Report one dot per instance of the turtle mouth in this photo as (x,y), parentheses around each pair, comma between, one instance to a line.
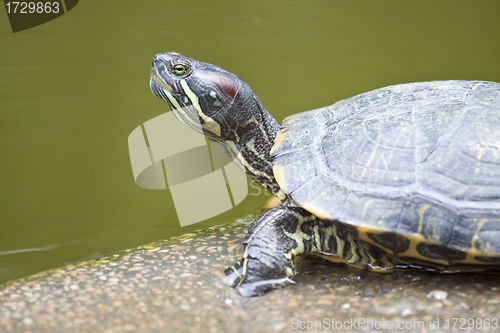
(162,91)
(156,78)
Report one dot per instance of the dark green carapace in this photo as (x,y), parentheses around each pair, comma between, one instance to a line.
(406,176)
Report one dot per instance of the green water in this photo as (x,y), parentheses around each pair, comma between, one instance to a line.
(73,89)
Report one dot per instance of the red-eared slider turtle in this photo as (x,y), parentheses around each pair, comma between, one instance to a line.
(406,176)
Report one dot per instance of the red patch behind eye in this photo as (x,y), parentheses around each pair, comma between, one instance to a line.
(228,86)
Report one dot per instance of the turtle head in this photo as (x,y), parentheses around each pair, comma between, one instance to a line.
(200,94)
(220,105)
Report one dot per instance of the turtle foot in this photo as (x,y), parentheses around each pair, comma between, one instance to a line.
(269,251)
(248,287)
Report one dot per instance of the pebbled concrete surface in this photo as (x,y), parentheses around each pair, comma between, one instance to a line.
(176,285)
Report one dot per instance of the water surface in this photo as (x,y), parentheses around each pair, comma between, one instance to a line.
(73,89)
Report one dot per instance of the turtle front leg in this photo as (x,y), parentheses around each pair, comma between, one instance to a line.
(271,244)
(278,236)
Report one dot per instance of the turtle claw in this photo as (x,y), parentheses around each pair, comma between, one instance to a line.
(237,279)
(259,288)
(234,275)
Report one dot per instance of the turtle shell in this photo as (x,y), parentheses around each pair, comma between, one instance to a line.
(413,169)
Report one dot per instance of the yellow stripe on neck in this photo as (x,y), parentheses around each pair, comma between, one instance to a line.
(209,124)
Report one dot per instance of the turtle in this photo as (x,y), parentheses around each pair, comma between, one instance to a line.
(401,177)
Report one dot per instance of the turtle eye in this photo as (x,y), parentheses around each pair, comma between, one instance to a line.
(179,70)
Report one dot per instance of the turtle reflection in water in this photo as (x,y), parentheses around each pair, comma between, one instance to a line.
(406,176)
